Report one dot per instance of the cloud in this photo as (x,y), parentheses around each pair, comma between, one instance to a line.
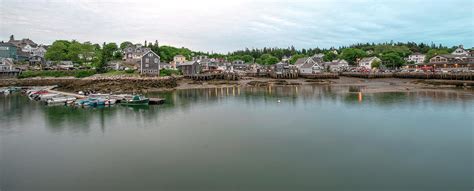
(221,26)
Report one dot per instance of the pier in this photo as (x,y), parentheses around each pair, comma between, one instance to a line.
(214,76)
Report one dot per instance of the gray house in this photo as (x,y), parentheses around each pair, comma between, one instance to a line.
(150,64)
(190,68)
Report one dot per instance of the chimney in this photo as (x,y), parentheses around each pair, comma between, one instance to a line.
(461,46)
(12,38)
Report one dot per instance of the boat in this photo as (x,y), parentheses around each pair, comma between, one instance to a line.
(45,97)
(60,100)
(135,100)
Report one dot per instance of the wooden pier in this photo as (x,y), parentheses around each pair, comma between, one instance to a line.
(214,76)
(367,75)
(320,76)
(439,76)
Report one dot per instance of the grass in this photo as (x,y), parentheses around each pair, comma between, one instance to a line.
(169,72)
(57,73)
(121,73)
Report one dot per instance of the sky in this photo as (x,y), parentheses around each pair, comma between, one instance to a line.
(222,26)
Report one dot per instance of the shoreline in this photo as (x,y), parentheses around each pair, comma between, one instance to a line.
(146,85)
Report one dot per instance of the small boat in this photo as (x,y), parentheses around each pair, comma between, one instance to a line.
(135,100)
(45,97)
(60,100)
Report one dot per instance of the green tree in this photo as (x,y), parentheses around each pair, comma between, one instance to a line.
(329,56)
(247,58)
(58,51)
(392,60)
(376,64)
(109,50)
(352,54)
(125,44)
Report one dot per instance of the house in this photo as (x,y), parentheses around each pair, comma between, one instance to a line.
(22,43)
(336,65)
(450,61)
(416,58)
(134,53)
(310,68)
(39,51)
(283,70)
(311,65)
(178,59)
(368,61)
(300,61)
(65,65)
(150,63)
(8,50)
(37,61)
(238,65)
(190,67)
(460,51)
(6,65)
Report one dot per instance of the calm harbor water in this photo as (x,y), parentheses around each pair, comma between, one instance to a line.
(315,138)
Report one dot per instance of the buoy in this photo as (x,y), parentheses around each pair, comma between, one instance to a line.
(278,101)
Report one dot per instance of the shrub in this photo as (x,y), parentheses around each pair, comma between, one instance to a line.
(57,73)
(169,72)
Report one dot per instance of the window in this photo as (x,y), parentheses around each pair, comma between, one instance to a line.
(156,60)
(146,65)
(150,54)
(147,60)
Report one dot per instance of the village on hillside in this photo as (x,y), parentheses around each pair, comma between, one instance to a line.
(26,58)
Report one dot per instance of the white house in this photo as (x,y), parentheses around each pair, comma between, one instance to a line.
(311,65)
(417,58)
(460,51)
(336,65)
(367,62)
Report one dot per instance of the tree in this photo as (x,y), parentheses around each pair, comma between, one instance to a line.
(392,60)
(329,56)
(352,54)
(58,51)
(108,51)
(376,64)
(125,44)
(247,58)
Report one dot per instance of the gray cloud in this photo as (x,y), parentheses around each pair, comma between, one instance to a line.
(221,26)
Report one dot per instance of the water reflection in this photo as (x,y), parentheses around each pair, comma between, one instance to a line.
(58,118)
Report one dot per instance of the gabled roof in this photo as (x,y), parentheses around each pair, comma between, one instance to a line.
(301,61)
(368,59)
(149,52)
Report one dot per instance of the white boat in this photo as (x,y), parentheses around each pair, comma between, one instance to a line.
(60,100)
(45,97)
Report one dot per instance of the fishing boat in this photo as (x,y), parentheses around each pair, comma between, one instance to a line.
(135,100)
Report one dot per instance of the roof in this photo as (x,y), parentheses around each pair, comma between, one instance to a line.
(149,52)
(416,53)
(308,65)
(187,63)
(368,59)
(301,61)
(6,44)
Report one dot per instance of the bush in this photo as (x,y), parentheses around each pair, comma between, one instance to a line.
(169,72)
(84,73)
(57,73)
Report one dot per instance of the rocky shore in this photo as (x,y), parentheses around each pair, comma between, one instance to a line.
(142,84)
